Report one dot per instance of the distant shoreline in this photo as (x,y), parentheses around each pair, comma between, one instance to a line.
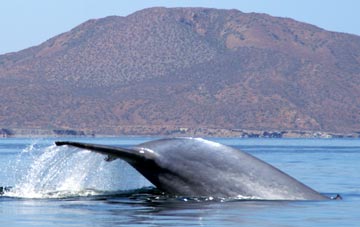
(173,132)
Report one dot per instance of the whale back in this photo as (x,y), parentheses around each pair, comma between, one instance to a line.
(198,167)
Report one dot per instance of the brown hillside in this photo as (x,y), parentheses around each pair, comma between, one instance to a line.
(185,67)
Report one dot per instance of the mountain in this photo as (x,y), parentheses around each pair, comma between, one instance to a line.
(166,68)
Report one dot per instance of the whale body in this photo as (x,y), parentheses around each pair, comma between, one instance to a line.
(198,167)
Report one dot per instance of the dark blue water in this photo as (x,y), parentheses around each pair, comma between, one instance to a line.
(55,186)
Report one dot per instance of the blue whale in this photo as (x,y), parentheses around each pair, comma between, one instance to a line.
(198,167)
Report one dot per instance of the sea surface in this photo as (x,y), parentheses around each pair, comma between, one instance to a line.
(62,186)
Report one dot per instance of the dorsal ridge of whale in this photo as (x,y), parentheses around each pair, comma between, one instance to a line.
(198,167)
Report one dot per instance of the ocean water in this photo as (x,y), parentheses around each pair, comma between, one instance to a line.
(59,186)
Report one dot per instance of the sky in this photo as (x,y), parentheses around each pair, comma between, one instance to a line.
(26,23)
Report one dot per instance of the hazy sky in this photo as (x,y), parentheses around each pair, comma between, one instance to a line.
(25,23)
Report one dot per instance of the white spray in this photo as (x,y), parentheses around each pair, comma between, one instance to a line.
(56,172)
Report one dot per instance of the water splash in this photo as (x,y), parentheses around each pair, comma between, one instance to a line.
(58,172)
